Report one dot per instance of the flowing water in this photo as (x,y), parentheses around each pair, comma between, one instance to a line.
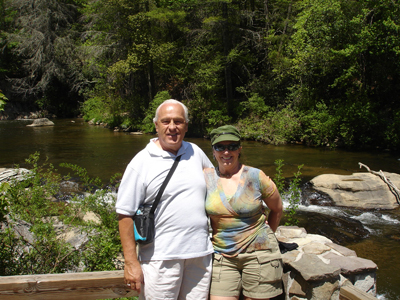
(373,234)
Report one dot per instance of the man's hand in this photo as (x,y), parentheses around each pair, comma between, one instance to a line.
(133,275)
(133,271)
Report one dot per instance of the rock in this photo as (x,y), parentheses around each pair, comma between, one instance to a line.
(326,290)
(316,248)
(75,237)
(318,268)
(350,264)
(41,122)
(91,216)
(360,190)
(7,175)
(69,187)
(339,228)
(342,250)
(311,268)
(298,288)
(290,256)
(365,282)
(22,229)
(292,232)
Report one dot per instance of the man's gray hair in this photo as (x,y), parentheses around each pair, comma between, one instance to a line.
(169,101)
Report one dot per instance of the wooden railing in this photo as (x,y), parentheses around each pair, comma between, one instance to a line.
(68,286)
(352,293)
(93,285)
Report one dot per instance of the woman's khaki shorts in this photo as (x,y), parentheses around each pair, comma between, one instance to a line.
(258,273)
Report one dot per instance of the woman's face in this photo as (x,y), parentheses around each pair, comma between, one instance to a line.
(227,153)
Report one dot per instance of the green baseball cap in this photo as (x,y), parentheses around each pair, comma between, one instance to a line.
(224,133)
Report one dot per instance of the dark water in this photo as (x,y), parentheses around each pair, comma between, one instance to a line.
(104,152)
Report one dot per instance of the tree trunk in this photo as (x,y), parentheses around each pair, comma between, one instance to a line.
(150,66)
(228,68)
(150,80)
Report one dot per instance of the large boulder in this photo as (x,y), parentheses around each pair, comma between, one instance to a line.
(360,190)
(41,122)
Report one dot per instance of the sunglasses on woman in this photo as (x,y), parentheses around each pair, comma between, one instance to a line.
(229,147)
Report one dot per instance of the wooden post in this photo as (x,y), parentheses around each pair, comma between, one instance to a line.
(84,285)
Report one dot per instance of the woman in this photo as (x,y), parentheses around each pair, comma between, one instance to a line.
(247,258)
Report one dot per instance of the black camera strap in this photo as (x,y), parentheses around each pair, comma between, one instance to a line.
(162,188)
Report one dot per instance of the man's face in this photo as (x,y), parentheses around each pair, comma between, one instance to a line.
(171,127)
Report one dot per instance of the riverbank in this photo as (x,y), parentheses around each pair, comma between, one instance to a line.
(283,127)
(23,111)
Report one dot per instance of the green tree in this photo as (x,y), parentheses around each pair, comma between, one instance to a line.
(345,55)
(45,45)
(8,61)
(131,53)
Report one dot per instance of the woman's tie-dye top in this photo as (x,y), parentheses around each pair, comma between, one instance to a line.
(238,220)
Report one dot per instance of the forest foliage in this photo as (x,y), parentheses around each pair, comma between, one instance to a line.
(317,72)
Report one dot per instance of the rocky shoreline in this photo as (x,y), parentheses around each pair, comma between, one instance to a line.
(318,268)
(23,113)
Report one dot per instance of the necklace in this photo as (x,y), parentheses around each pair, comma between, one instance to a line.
(227,175)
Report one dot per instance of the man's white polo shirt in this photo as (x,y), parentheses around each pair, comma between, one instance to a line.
(181,222)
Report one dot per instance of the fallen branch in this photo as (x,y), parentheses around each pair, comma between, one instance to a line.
(395,191)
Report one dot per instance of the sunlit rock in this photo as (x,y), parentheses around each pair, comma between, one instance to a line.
(91,216)
(341,250)
(318,268)
(360,190)
(316,248)
(7,175)
(41,122)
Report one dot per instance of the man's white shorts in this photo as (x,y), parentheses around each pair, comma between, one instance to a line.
(177,279)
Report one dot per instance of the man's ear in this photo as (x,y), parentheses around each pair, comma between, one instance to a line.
(156,125)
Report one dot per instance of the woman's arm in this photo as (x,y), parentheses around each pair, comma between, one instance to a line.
(274,203)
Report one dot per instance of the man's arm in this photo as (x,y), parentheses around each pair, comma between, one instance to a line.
(132,272)
(274,203)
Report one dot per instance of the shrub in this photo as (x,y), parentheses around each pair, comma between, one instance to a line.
(319,127)
(148,124)
(30,242)
(280,126)
(292,193)
(93,108)
(34,223)
(3,100)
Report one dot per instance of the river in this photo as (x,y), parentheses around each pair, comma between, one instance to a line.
(104,152)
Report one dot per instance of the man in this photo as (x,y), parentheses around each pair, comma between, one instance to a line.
(177,265)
